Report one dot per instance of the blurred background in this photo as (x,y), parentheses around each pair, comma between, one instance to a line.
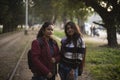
(99,22)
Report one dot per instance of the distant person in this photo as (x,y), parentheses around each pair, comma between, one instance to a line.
(72,53)
(94,29)
(91,29)
(45,57)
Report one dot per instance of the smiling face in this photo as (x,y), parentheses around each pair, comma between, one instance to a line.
(48,31)
(70,30)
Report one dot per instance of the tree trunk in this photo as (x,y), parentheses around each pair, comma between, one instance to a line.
(111,36)
(64,18)
(5,28)
(54,19)
(81,25)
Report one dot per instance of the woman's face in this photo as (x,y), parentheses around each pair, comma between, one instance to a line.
(70,30)
(48,31)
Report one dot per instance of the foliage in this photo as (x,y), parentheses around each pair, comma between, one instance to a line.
(43,8)
(59,34)
(39,11)
(109,10)
(103,63)
(79,9)
(59,9)
(12,14)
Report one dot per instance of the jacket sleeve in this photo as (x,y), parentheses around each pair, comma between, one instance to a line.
(36,51)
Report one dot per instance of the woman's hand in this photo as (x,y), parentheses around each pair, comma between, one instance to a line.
(53,60)
(70,76)
(71,73)
(49,75)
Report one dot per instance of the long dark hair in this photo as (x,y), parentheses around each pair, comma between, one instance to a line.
(76,34)
(42,29)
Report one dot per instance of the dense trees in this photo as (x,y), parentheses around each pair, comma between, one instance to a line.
(61,10)
(12,14)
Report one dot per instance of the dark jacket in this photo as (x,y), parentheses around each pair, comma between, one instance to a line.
(41,57)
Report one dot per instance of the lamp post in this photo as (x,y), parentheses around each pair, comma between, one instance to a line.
(26,18)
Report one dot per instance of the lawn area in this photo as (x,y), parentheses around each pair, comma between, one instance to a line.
(103,63)
(59,33)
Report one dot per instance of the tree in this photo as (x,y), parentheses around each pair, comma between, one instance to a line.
(43,9)
(12,14)
(77,10)
(109,10)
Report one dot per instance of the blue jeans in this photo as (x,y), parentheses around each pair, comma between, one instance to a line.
(64,72)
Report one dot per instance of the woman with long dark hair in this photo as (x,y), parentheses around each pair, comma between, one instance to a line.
(72,53)
(45,54)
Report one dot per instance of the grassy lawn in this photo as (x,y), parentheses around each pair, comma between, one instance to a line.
(102,63)
(59,34)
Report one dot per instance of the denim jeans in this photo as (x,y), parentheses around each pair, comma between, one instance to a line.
(64,72)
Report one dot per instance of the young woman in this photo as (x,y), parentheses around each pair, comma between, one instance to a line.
(72,53)
(45,57)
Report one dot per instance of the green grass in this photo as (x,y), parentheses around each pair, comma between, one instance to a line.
(59,34)
(103,63)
